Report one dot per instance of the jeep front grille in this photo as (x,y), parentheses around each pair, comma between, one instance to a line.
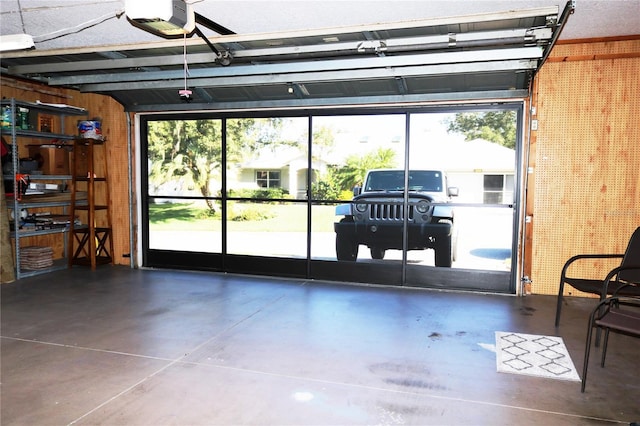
(390,212)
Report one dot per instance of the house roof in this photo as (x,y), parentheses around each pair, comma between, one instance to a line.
(477,155)
(453,155)
(273,158)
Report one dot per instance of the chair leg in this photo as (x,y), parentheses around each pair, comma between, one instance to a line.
(599,331)
(559,302)
(604,346)
(587,349)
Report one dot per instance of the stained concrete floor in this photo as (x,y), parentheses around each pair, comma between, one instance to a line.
(146,347)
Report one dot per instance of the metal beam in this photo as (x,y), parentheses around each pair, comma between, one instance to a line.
(318,76)
(342,102)
(524,53)
(405,44)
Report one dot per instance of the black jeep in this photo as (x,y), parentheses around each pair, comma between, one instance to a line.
(375,217)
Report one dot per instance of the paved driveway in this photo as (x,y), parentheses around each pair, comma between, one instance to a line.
(484,242)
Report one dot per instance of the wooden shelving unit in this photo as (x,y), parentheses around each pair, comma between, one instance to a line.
(92,244)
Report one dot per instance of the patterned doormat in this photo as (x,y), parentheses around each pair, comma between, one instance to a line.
(534,355)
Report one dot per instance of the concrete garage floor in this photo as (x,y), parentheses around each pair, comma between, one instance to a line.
(146,347)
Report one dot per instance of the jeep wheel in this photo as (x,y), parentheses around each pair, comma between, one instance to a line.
(377,253)
(346,249)
(454,244)
(444,255)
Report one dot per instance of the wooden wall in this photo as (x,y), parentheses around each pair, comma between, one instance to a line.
(584,194)
(114,127)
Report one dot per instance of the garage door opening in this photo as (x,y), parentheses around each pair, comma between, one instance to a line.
(264,195)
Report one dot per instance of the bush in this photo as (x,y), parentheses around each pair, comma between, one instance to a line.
(261,193)
(346,195)
(207,214)
(240,213)
(324,190)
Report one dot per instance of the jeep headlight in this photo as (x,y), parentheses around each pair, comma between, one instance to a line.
(422,207)
(361,207)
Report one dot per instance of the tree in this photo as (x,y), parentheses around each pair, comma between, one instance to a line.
(356,166)
(191,151)
(494,126)
(245,136)
(324,186)
(323,141)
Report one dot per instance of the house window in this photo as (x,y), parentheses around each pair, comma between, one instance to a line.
(493,189)
(268,178)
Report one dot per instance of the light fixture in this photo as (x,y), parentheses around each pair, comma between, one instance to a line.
(165,18)
(16,42)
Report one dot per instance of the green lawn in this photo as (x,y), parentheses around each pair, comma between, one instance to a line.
(282,218)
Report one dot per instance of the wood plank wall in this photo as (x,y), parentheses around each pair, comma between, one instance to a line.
(584,194)
(114,127)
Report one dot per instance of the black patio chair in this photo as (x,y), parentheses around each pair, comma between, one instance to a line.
(618,314)
(616,280)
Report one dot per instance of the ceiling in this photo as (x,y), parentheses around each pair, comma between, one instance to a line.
(304,53)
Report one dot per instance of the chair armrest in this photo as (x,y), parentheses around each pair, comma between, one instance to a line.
(614,300)
(615,294)
(614,272)
(586,256)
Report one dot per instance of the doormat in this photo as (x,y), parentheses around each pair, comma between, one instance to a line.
(534,355)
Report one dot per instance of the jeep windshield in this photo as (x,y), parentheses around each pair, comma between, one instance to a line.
(393,180)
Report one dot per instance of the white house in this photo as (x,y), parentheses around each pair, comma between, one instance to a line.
(483,171)
(282,167)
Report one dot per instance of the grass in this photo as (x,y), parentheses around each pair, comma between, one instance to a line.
(281,218)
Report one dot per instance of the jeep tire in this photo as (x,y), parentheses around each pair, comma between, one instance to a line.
(346,248)
(444,253)
(377,253)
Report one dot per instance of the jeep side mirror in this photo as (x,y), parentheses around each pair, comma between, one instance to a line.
(452,191)
(357,190)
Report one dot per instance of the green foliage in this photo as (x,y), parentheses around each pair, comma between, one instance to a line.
(246,136)
(337,182)
(191,150)
(237,212)
(356,166)
(494,126)
(323,141)
(187,149)
(345,194)
(325,190)
(207,213)
(261,193)
(167,212)
(328,189)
